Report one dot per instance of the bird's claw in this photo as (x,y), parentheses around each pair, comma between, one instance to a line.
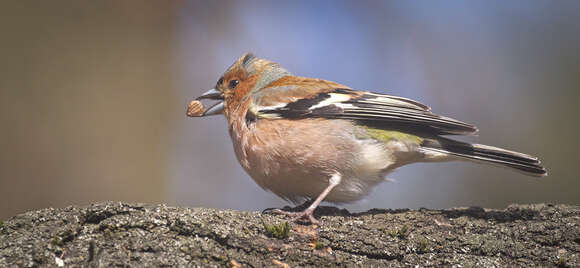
(306,215)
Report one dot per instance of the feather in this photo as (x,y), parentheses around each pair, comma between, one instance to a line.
(486,154)
(378,110)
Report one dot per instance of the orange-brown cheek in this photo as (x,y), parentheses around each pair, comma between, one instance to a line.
(242,90)
(245,87)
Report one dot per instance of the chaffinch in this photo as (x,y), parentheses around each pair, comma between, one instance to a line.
(307,138)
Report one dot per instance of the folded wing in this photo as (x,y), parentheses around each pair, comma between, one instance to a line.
(378,110)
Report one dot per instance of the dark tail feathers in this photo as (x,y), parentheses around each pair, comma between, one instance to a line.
(488,154)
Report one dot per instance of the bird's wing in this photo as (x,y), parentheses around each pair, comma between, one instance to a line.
(377,110)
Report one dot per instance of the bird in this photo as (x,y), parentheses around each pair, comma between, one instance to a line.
(317,140)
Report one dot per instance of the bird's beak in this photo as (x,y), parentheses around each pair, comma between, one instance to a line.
(217,108)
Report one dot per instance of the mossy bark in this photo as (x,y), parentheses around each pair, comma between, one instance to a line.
(120,234)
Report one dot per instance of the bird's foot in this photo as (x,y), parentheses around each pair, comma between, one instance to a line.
(305,215)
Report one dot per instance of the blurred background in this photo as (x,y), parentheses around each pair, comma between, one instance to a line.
(93,94)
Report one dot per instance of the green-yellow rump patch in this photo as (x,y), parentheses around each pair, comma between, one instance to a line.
(387,135)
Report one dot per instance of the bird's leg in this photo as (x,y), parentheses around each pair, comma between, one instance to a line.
(307,214)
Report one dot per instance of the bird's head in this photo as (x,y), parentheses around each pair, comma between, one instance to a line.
(247,76)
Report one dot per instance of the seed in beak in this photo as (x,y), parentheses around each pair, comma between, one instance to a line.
(195,109)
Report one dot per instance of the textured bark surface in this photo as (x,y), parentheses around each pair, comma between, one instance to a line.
(137,235)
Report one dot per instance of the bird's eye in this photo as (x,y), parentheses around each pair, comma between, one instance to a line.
(233,84)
